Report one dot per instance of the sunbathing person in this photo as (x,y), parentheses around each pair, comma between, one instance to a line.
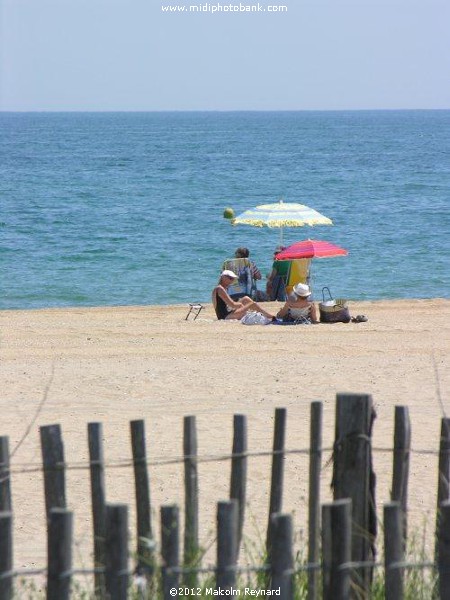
(298,307)
(226,307)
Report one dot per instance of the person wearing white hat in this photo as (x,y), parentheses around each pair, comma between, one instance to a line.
(298,307)
(226,307)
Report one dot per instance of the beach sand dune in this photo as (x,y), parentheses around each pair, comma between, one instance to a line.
(113,365)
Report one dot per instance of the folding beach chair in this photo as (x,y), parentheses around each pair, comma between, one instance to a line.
(245,284)
(194,310)
(289,273)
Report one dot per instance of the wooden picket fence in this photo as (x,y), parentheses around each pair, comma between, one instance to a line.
(341,534)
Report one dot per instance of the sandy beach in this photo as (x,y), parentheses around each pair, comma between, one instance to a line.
(75,366)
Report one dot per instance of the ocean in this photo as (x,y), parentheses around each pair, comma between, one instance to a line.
(126,208)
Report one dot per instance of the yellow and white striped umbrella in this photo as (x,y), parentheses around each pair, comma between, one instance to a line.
(281,214)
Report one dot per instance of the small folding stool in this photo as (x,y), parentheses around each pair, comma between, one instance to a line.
(194,308)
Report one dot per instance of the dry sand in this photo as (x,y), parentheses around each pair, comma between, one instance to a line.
(117,364)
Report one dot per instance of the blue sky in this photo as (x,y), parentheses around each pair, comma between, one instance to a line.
(130,55)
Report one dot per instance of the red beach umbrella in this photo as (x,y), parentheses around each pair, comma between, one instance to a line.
(311,249)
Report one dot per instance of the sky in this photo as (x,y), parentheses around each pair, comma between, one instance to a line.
(130,55)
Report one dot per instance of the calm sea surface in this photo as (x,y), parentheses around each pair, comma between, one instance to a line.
(126,208)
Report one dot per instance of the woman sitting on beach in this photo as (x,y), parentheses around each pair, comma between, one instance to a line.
(226,307)
(298,307)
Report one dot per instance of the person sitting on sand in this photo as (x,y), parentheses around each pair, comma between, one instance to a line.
(297,307)
(226,307)
(258,295)
(245,253)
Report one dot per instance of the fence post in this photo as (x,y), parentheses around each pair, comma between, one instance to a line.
(443,493)
(53,463)
(116,555)
(336,538)
(315,463)
(98,501)
(142,487)
(6,542)
(170,549)
(400,471)
(6,556)
(239,471)
(444,550)
(326,552)
(59,554)
(227,532)
(281,568)
(5,485)
(191,549)
(393,550)
(353,477)
(276,485)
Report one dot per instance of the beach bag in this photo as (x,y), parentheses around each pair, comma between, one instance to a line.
(333,311)
(255,318)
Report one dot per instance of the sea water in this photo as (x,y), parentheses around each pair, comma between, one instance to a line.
(126,208)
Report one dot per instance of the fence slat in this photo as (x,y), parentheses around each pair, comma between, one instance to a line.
(227,534)
(315,465)
(393,550)
(400,471)
(337,535)
(444,550)
(238,481)
(276,484)
(98,500)
(59,554)
(6,556)
(443,492)
(170,549)
(5,481)
(353,476)
(116,555)
(142,487)
(282,557)
(53,463)
(191,547)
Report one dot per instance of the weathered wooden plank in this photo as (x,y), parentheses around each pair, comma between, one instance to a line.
(337,517)
(227,535)
(170,549)
(6,556)
(238,481)
(5,480)
(191,544)
(116,556)
(281,572)
(142,490)
(353,476)
(315,465)
(98,501)
(276,482)
(59,554)
(400,471)
(54,468)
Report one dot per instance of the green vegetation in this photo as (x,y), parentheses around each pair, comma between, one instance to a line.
(419,582)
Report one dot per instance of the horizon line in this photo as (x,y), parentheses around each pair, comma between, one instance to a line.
(212,110)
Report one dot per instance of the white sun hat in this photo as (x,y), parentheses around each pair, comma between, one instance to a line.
(302,290)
